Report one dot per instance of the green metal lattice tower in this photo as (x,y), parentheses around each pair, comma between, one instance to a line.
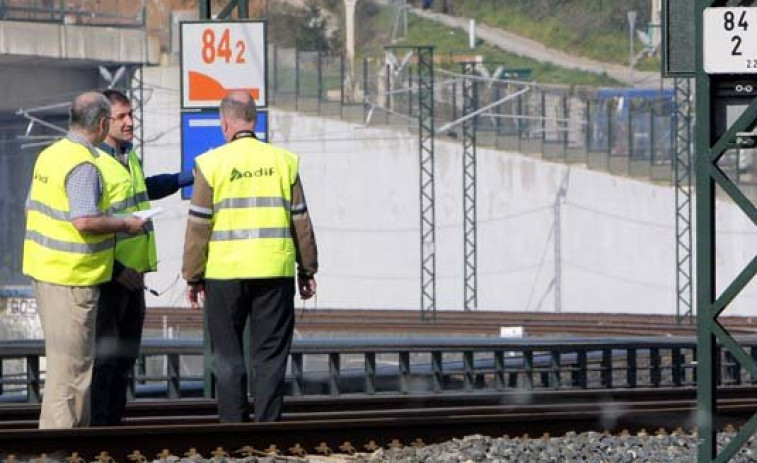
(426,148)
(726,65)
(136,90)
(682,172)
(424,66)
(470,104)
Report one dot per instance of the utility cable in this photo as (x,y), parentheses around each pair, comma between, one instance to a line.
(515,215)
(619,278)
(541,265)
(620,217)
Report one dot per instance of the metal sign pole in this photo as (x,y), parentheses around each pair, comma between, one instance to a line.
(212,48)
(726,44)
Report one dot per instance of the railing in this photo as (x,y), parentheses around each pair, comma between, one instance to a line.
(352,368)
(118,13)
(623,131)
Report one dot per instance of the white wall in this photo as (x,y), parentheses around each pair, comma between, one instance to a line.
(362,185)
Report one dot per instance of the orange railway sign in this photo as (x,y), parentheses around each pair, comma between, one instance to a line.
(217,57)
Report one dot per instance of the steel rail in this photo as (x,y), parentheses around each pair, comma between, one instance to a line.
(479,322)
(382,427)
(24,415)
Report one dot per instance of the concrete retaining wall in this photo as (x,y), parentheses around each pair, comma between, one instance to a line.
(362,184)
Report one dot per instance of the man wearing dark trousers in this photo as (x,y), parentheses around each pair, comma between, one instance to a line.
(248,224)
(121,309)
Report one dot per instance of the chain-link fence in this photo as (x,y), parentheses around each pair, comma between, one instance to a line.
(622,131)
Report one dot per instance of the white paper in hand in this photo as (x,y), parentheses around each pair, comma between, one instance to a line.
(148,214)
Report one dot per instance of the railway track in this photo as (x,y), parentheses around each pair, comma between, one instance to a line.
(152,427)
(478,323)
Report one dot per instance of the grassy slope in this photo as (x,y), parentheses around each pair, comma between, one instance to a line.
(375,30)
(596,29)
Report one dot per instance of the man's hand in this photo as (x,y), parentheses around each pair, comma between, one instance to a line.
(131,279)
(106,224)
(306,285)
(195,294)
(134,225)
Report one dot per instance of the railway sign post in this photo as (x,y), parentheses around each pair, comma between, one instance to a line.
(218,56)
(726,111)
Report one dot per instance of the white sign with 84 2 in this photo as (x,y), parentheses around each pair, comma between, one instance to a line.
(730,40)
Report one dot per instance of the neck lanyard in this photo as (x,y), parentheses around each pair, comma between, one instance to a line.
(243,134)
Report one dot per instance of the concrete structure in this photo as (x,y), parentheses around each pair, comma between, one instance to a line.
(349,26)
(46,64)
(362,186)
(63,59)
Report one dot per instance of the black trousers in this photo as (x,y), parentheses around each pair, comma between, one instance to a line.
(120,315)
(270,306)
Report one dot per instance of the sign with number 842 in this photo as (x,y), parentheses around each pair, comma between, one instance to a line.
(730,40)
(218,57)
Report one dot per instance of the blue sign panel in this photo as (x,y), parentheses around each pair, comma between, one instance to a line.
(201,132)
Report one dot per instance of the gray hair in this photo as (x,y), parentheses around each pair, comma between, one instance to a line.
(87,110)
(239,106)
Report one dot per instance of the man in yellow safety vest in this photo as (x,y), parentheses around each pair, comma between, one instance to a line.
(121,311)
(68,253)
(248,224)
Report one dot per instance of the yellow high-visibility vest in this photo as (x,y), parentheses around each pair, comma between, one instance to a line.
(252,192)
(54,250)
(134,251)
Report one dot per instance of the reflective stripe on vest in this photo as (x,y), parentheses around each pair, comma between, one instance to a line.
(58,245)
(54,250)
(237,203)
(252,188)
(227,235)
(43,208)
(131,203)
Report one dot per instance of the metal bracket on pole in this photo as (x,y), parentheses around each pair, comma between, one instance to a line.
(40,140)
(486,108)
